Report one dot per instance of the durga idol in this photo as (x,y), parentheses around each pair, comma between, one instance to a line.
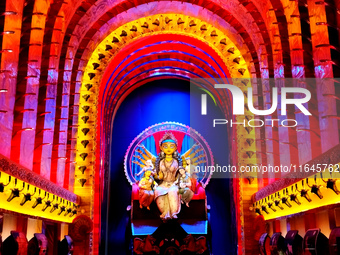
(167,163)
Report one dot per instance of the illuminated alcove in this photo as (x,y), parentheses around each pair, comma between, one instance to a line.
(155,102)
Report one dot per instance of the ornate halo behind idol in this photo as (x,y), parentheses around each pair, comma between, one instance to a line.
(146,146)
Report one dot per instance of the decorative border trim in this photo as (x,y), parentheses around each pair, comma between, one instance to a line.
(26,175)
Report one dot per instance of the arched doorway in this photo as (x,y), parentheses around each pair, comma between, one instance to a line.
(155,102)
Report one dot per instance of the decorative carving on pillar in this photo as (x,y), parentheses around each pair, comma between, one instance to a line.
(81,227)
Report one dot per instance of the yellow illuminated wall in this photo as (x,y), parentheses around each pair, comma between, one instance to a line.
(329,197)
(14,204)
(9,224)
(33,226)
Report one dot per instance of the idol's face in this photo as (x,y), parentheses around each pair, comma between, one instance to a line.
(181,171)
(168,148)
(188,161)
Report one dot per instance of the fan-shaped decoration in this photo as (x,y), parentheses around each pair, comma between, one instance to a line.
(145,25)
(85,131)
(223,41)
(123,33)
(249,129)
(101,56)
(250,141)
(80,227)
(167,20)
(86,97)
(85,143)
(108,47)
(192,23)
(91,75)
(245,82)
(95,66)
(237,60)
(213,33)
(88,86)
(82,181)
(250,153)
(203,27)
(133,28)
(231,50)
(180,21)
(85,108)
(85,118)
(241,70)
(156,22)
(190,144)
(115,40)
(83,156)
(82,169)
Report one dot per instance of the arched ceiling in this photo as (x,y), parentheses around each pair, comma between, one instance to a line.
(170,44)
